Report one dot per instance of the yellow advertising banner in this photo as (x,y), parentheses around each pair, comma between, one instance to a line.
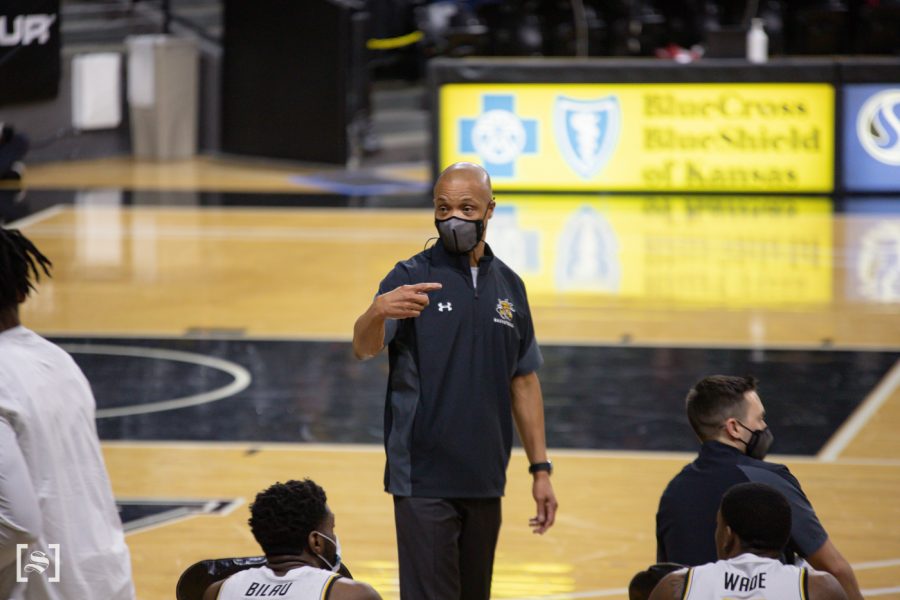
(711,137)
(702,250)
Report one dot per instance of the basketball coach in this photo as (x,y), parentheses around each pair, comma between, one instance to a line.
(463,362)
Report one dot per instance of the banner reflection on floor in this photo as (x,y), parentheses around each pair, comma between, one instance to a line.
(731,251)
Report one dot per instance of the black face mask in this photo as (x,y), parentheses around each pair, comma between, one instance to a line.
(460,236)
(760,442)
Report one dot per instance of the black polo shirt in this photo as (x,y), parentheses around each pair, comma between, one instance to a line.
(448,417)
(686,519)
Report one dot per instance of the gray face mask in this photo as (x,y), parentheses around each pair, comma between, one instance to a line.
(460,236)
(760,442)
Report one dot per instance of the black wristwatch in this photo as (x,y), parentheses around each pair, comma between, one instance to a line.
(541,466)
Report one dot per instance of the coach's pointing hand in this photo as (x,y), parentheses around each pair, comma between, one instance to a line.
(406,301)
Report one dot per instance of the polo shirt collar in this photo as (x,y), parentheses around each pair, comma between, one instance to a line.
(715,449)
(440,256)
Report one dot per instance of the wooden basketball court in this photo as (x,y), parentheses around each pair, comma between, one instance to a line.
(138,270)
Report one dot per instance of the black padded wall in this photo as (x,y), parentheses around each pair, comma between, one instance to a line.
(292,78)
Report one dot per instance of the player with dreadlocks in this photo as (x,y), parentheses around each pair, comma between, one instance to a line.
(292,523)
(19,261)
(55,494)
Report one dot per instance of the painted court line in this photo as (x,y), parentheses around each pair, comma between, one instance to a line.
(264,446)
(236,232)
(234,210)
(861,416)
(232,506)
(624,592)
(41,215)
(714,345)
(876,564)
(157,521)
(573,595)
(244,446)
(176,515)
(299,337)
(241,376)
(880,592)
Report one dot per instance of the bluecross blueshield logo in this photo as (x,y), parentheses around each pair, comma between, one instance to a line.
(588,254)
(587,132)
(498,135)
(878,263)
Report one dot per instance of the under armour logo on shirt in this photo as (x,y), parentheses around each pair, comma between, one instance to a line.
(442,307)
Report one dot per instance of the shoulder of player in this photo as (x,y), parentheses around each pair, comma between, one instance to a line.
(824,586)
(26,346)
(349,589)
(670,587)
(212,592)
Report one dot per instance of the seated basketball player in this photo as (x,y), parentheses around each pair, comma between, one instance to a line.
(643,582)
(295,528)
(753,526)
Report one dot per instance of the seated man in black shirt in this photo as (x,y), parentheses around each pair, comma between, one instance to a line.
(753,525)
(728,417)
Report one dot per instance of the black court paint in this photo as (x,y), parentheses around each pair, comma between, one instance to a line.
(614,398)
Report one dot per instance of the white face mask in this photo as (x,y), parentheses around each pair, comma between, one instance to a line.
(337,552)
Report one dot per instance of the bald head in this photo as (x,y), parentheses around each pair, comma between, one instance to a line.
(467,174)
(464,191)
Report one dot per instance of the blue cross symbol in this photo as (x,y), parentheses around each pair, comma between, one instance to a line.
(498,136)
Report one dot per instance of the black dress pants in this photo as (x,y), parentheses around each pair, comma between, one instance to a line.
(446,547)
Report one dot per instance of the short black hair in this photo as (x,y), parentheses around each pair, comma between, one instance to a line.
(283,516)
(759,514)
(21,264)
(643,583)
(714,399)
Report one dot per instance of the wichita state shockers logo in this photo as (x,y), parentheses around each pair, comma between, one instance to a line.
(505,309)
